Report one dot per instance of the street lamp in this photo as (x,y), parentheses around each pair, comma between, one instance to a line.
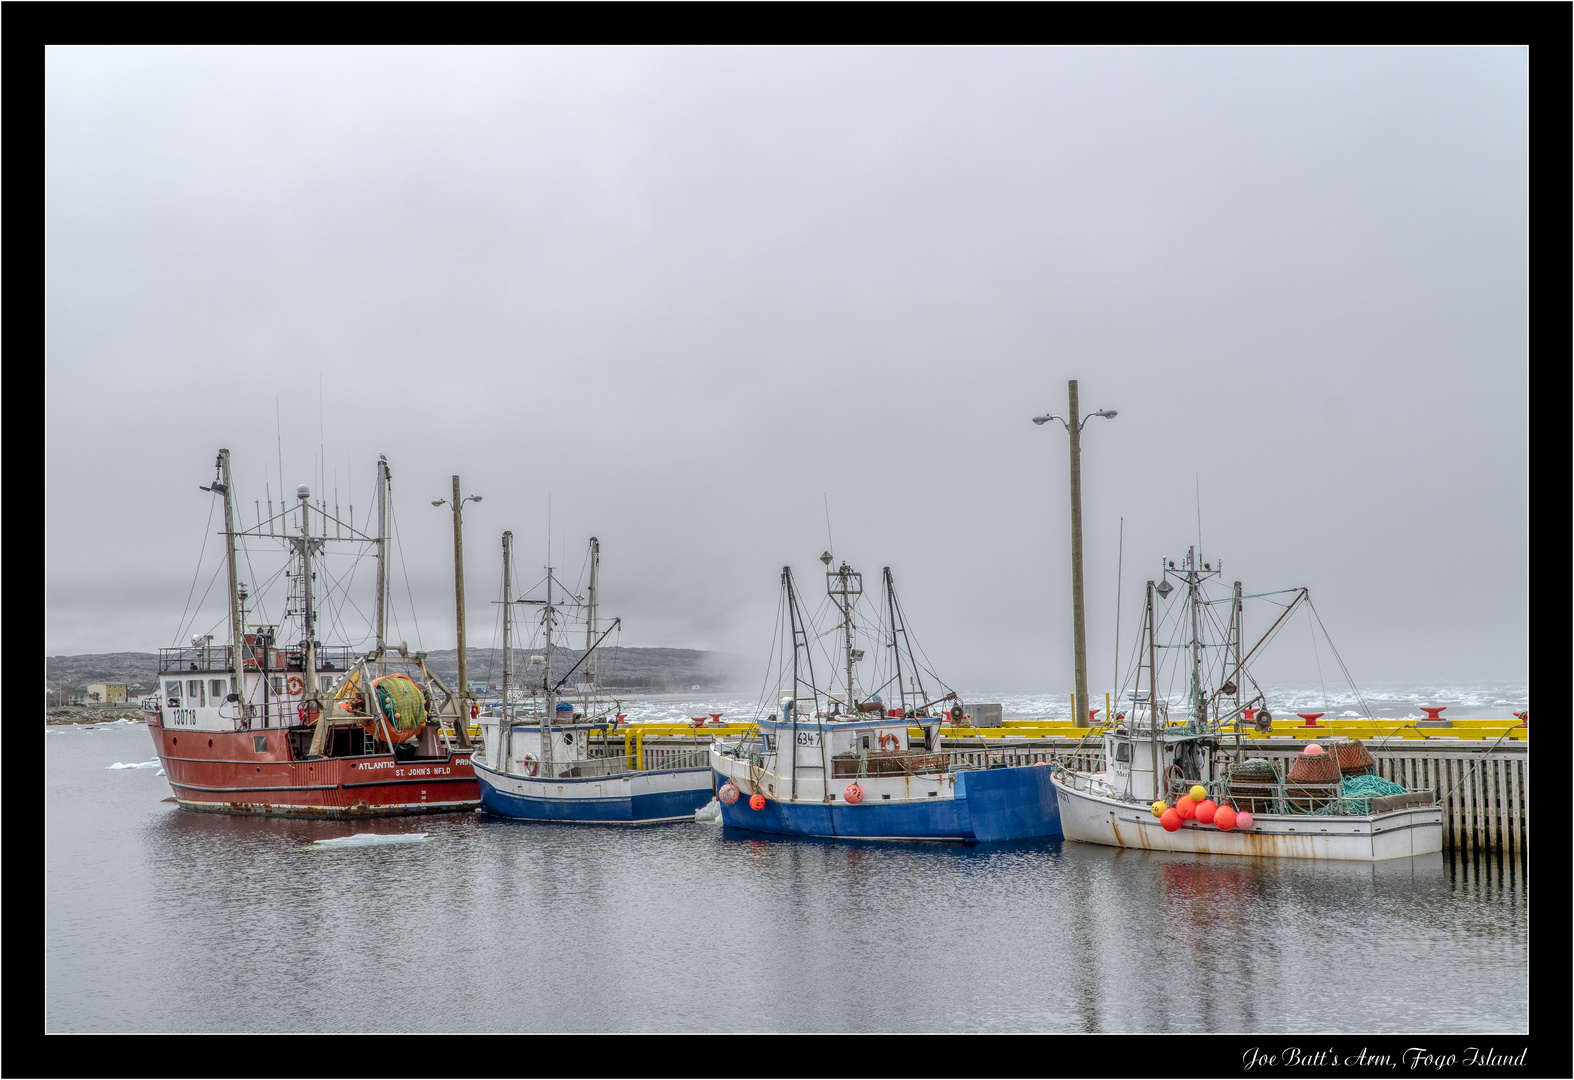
(1074,428)
(462,723)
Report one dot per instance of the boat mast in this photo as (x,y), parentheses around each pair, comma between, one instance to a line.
(896,652)
(548,698)
(305,545)
(506,728)
(1153,697)
(594,674)
(384,481)
(225,487)
(1198,704)
(1235,623)
(848,584)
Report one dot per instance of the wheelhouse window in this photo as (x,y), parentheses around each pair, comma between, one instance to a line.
(278,684)
(196,698)
(259,743)
(172,694)
(216,688)
(1122,752)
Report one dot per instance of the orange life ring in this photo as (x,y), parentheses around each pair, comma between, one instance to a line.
(530,764)
(896,739)
(295,684)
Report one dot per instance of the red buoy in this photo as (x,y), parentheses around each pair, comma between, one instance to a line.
(1170,819)
(1224,818)
(1206,811)
(1186,807)
(756,802)
(853,794)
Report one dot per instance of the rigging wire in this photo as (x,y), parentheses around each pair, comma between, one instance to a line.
(180,629)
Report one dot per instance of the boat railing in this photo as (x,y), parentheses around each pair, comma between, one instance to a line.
(1290,797)
(209,657)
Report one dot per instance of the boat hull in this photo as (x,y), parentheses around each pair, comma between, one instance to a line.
(222,772)
(981,806)
(1094,818)
(644,797)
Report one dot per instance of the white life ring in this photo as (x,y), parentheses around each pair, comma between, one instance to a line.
(295,684)
(530,765)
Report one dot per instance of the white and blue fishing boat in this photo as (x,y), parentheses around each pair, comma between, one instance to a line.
(846,765)
(555,757)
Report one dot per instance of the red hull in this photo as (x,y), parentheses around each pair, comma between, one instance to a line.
(224,772)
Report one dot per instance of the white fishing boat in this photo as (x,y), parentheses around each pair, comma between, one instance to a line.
(1186,784)
(844,764)
(554,756)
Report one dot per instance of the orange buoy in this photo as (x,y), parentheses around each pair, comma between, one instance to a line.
(1224,818)
(756,802)
(1207,810)
(1170,819)
(853,794)
(1312,748)
(1186,807)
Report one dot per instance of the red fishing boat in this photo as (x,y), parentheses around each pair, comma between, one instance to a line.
(257,726)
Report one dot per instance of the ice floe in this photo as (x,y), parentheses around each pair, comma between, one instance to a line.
(369,839)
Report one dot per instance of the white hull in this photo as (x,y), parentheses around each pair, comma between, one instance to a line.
(1095,818)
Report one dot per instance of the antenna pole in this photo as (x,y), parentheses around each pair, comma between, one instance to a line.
(459,592)
(506,728)
(1077,615)
(384,479)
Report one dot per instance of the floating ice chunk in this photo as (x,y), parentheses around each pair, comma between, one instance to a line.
(135,765)
(711,811)
(367,839)
(161,772)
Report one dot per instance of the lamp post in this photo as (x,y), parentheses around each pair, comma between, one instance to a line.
(463,722)
(1074,428)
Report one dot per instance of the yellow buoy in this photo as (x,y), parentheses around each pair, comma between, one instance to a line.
(1159,808)
(1198,793)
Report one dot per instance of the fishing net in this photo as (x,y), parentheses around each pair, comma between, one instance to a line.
(404,706)
(1360,790)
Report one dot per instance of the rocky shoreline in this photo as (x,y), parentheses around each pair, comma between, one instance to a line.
(91,714)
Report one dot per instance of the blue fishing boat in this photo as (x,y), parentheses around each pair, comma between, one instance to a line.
(551,758)
(845,764)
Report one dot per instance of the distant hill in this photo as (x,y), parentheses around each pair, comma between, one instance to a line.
(621,668)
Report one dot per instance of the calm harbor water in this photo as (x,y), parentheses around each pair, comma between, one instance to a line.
(159,920)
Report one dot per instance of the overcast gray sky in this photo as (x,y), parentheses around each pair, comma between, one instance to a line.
(694,296)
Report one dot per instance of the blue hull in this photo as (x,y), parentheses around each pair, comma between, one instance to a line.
(654,806)
(991,805)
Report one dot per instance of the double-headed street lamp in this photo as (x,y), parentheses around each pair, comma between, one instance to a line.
(462,725)
(1074,428)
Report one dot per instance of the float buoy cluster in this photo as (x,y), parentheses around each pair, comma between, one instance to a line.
(1196,806)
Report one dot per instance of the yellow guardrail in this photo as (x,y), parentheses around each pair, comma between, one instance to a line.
(1360,728)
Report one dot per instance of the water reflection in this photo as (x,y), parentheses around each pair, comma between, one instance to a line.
(162,920)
